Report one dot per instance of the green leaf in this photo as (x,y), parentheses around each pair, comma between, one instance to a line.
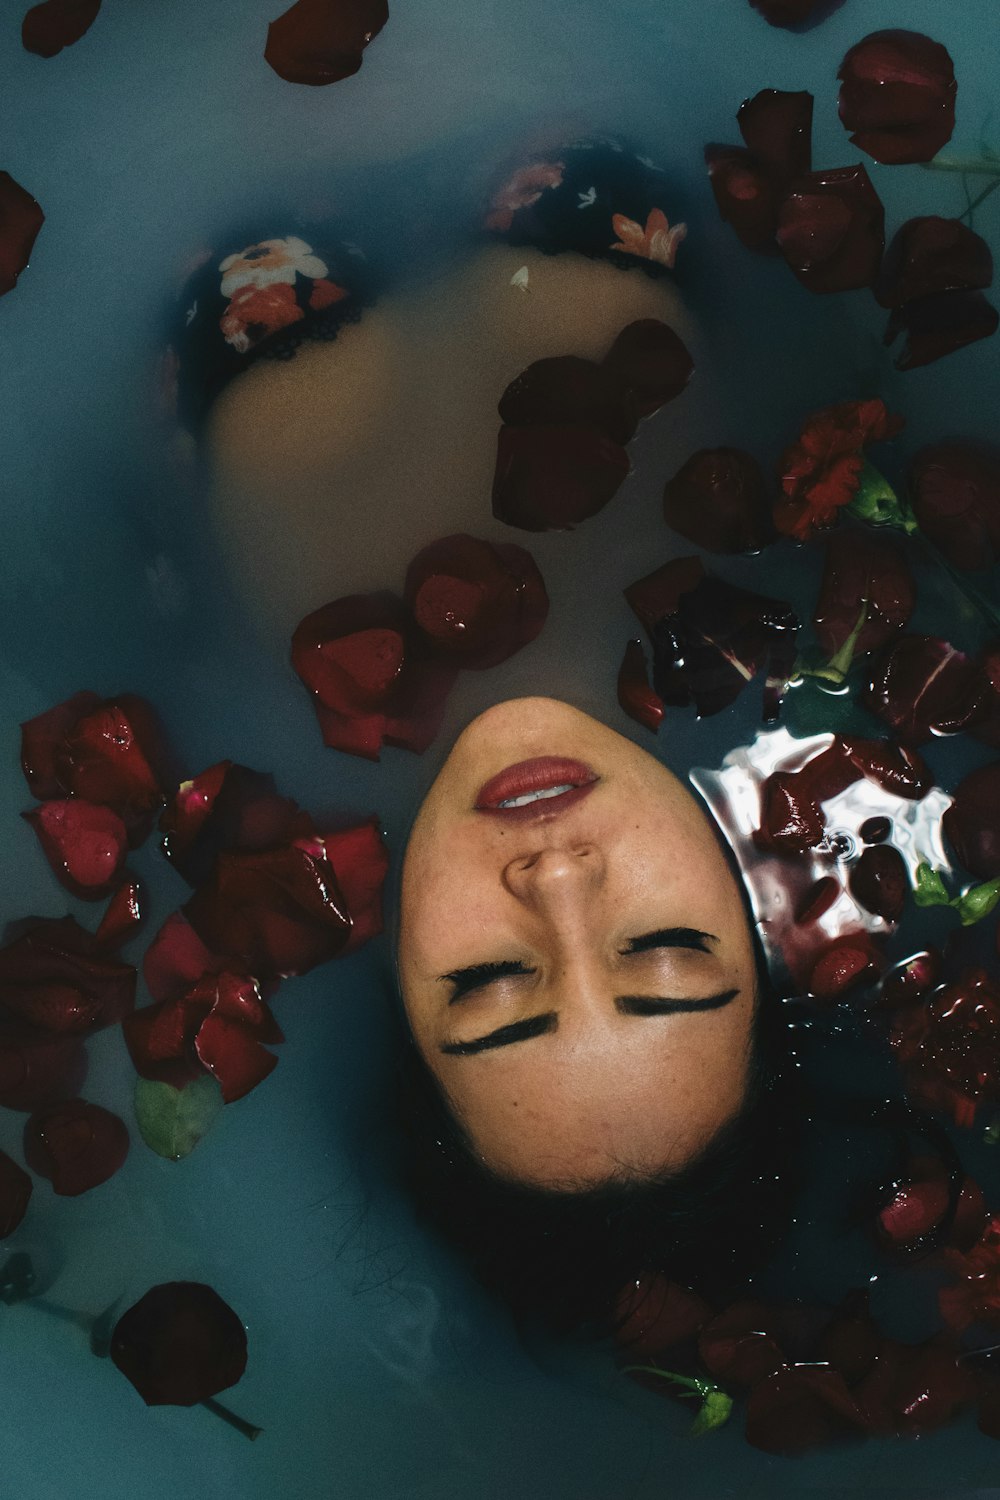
(172,1121)
(877,502)
(928,888)
(978,902)
(714,1413)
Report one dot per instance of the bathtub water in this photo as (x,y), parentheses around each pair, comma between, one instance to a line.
(376,1367)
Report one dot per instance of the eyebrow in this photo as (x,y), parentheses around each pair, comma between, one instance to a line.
(548,1021)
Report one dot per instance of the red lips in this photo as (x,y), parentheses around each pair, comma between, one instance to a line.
(537,775)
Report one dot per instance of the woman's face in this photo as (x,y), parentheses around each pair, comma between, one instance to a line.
(577,969)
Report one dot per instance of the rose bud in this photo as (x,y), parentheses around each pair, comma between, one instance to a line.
(15,1191)
(955,489)
(38,1068)
(55,24)
(314,42)
(180,1344)
(20,220)
(719,501)
(657,595)
(550,478)
(85,844)
(935,326)
(831,229)
(76,1145)
(897,96)
(566,391)
(635,695)
(861,570)
(57,976)
(878,881)
(972,822)
(651,364)
(746,196)
(928,255)
(475,603)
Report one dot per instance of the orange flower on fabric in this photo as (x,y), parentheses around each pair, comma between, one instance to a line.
(976,1297)
(325,294)
(658,241)
(821,473)
(521,190)
(255,312)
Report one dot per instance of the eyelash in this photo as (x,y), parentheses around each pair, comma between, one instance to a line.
(478,976)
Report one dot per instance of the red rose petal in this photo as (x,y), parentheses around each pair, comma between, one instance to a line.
(800,1407)
(949,1046)
(817,900)
(635,695)
(879,881)
(831,229)
(229,806)
(37,1068)
(746,196)
(476,604)
(972,822)
(955,489)
(896,768)
(718,499)
(85,844)
(15,1191)
(897,96)
(361,861)
(566,391)
(777,129)
(657,595)
(862,570)
(122,917)
(821,472)
(916,977)
(40,738)
(176,959)
(180,1344)
(75,1145)
(936,326)
(921,686)
(20,220)
(652,1314)
(851,1341)
(651,364)
(795,14)
(740,1344)
(928,255)
(551,478)
(321,41)
(160,1042)
(848,962)
(791,820)
(114,755)
(345,675)
(55,24)
(57,977)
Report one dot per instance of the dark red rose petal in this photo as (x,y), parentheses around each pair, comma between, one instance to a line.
(160,1041)
(653,1314)
(936,326)
(40,738)
(321,41)
(746,196)
(278,912)
(878,880)
(777,129)
(801,1407)
(651,364)
(791,821)
(123,916)
(795,14)
(350,653)
(955,489)
(657,596)
(921,686)
(972,822)
(15,1191)
(918,1207)
(57,977)
(848,962)
(740,1345)
(566,391)
(911,980)
(85,844)
(176,959)
(475,603)
(817,900)
(851,1340)
(20,220)
(551,478)
(361,861)
(897,96)
(915,1388)
(875,830)
(635,695)
(896,768)
(180,1344)
(949,1046)
(414,715)
(114,755)
(229,806)
(862,570)
(719,501)
(75,1145)
(55,24)
(37,1069)
(831,229)
(928,255)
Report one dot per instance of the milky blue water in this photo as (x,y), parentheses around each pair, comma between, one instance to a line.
(376,1367)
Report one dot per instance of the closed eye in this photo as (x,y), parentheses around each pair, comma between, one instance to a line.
(672,937)
(478,976)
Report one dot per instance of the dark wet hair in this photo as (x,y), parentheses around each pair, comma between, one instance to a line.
(563,1257)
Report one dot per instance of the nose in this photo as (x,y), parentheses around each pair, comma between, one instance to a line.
(554,877)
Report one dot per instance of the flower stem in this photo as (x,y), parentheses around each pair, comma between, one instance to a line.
(247,1428)
(974,166)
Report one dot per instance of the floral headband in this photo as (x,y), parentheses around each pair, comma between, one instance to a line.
(261,300)
(594,197)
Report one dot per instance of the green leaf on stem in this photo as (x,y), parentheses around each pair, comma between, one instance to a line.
(715,1404)
(172,1121)
(928,887)
(877,503)
(977,902)
(714,1413)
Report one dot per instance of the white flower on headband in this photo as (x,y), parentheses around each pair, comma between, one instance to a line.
(268,263)
(657,241)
